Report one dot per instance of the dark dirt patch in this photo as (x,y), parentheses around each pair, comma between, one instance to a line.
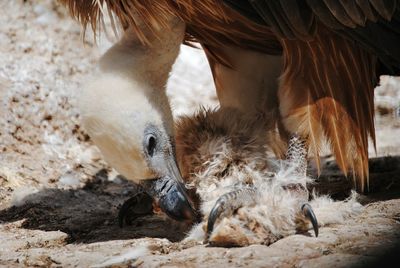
(89,214)
(384,180)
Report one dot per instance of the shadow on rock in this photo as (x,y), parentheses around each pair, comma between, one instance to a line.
(384,180)
(89,214)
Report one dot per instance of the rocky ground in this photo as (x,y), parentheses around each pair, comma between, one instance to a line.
(59,200)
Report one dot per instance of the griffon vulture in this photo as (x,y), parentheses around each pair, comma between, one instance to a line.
(311,64)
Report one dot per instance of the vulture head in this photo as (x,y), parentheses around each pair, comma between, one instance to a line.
(125,110)
(134,132)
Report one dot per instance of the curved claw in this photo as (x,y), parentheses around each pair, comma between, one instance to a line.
(140,203)
(216,211)
(230,202)
(309,214)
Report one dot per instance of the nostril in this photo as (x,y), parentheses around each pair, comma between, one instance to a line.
(172,198)
(175,204)
(170,187)
(163,186)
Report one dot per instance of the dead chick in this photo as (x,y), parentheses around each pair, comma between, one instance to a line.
(245,194)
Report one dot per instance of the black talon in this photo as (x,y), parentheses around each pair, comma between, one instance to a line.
(309,214)
(140,204)
(229,202)
(215,213)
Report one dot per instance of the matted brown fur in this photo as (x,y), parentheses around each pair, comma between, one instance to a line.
(244,133)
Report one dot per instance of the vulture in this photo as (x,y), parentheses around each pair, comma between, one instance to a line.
(310,65)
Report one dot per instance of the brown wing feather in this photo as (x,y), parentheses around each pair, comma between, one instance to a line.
(385,8)
(338,10)
(354,12)
(331,95)
(368,10)
(282,15)
(301,19)
(209,22)
(137,14)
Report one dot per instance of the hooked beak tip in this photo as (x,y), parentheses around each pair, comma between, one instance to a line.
(172,198)
(176,204)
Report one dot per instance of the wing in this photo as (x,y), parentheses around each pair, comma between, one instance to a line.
(373,24)
(329,49)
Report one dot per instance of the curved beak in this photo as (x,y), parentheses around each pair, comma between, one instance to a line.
(170,192)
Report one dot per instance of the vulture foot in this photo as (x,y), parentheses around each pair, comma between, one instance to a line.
(229,202)
(272,209)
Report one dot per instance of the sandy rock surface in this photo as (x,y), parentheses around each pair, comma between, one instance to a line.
(59,200)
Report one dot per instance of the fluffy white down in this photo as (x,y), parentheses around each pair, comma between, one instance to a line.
(276,213)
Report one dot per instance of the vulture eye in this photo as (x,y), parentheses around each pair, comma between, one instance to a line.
(151,144)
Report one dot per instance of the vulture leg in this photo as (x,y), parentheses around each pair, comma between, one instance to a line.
(141,204)
(326,91)
(296,155)
(296,158)
(245,79)
(295,162)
